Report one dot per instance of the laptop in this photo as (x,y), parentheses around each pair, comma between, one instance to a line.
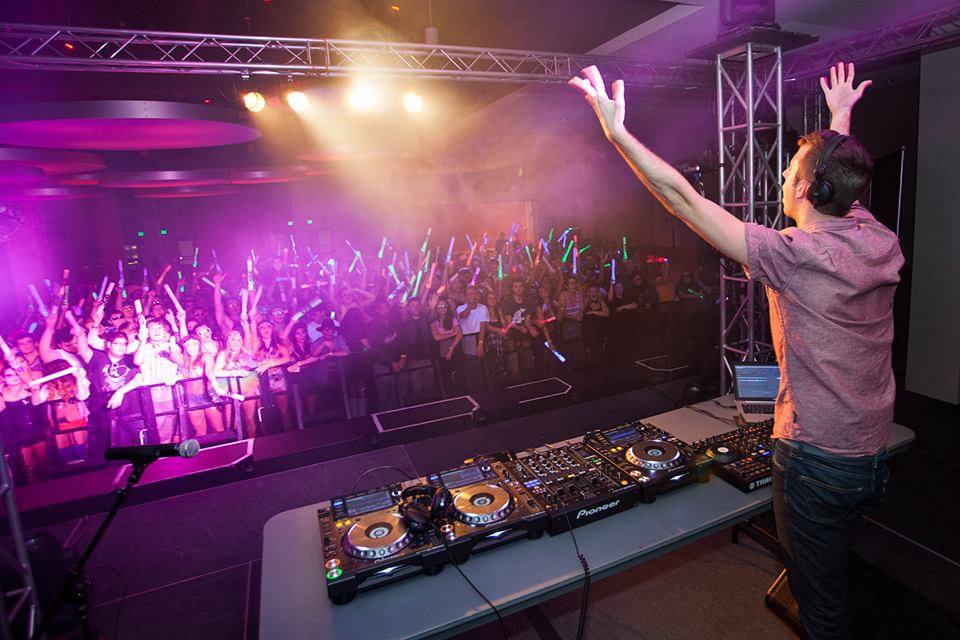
(755,388)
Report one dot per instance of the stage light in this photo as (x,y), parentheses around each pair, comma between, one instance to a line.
(298,101)
(289,223)
(140,234)
(363,98)
(395,8)
(412,102)
(309,220)
(163,232)
(254,101)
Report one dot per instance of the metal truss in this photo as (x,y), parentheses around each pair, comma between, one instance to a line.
(749,85)
(18,599)
(86,49)
(804,66)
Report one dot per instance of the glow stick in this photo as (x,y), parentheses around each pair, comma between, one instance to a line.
(472,251)
(138,306)
(316,302)
(196,257)
(53,376)
(500,266)
(406,259)
(293,244)
(557,354)
(173,297)
(469,241)
(550,237)
(449,250)
(7,353)
(416,287)
(216,261)
(120,281)
(393,272)
(163,275)
(250,273)
(567,253)
(423,249)
(625,247)
(106,295)
(576,256)
(36,296)
(244,298)
(353,264)
(613,270)
(103,285)
(49,285)
(210,282)
(383,245)
(539,251)
(426,260)
(433,269)
(529,256)
(476,274)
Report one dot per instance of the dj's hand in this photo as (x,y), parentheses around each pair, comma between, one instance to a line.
(841,96)
(609,111)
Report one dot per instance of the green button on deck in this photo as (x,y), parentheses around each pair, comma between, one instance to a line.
(333,574)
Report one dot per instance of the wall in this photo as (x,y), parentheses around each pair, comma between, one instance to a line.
(933,359)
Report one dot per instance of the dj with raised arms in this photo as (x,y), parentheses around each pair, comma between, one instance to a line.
(830,281)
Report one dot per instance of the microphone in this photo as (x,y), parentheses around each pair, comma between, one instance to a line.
(151,452)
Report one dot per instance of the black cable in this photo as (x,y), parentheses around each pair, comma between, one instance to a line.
(443,538)
(712,415)
(584,598)
(383,468)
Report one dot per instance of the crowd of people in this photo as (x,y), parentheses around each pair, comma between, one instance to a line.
(193,352)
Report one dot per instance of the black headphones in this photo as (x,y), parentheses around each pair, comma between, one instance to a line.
(820,191)
(423,505)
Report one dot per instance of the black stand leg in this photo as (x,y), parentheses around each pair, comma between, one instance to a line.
(76,590)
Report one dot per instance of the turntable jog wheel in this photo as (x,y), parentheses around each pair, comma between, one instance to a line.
(383,535)
(482,504)
(653,455)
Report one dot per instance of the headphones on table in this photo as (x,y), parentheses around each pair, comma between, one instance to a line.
(422,506)
(821,192)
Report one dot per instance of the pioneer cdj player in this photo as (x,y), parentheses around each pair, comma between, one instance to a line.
(742,457)
(489,507)
(367,543)
(654,459)
(574,484)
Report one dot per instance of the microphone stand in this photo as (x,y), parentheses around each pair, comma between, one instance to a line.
(77,590)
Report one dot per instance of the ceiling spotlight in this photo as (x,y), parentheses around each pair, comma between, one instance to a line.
(363,98)
(412,102)
(298,101)
(254,101)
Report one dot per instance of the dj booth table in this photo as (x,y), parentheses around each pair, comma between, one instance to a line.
(294,603)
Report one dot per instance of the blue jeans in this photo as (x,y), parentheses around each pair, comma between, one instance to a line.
(817,496)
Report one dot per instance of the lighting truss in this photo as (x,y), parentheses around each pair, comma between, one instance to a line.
(88,49)
(749,85)
(804,66)
(18,598)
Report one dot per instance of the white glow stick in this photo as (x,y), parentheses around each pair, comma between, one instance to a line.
(36,296)
(173,297)
(138,306)
(103,285)
(53,376)
(316,302)
(106,294)
(7,353)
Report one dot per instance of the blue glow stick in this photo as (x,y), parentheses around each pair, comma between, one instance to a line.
(383,245)
(557,354)
(449,250)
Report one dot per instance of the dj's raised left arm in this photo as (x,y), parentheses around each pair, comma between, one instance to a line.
(711,222)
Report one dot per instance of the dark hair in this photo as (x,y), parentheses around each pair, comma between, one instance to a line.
(447,322)
(848,169)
